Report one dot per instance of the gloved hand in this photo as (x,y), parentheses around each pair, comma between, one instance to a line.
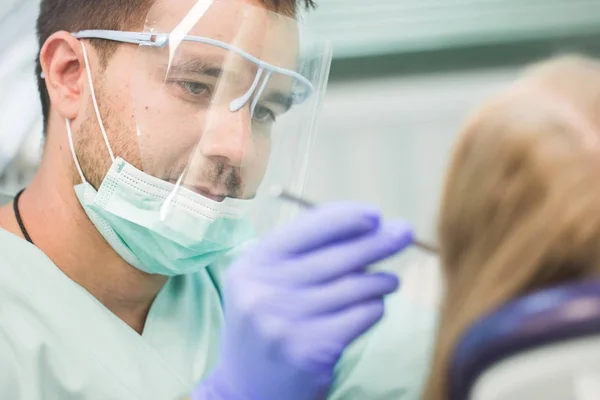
(296,300)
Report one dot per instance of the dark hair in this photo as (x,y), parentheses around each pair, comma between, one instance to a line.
(76,15)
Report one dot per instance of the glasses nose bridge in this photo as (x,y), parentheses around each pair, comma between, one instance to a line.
(254,93)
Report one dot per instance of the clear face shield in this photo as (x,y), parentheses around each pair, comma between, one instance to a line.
(226,96)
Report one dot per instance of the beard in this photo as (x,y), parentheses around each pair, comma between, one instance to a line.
(91,148)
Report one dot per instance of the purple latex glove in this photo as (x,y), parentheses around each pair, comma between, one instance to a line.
(296,300)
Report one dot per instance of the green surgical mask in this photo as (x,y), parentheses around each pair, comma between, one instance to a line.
(126,210)
(152,230)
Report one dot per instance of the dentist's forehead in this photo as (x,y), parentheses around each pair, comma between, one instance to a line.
(268,36)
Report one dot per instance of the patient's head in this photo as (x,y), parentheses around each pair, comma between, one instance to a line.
(521,205)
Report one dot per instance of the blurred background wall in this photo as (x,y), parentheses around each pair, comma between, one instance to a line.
(406,73)
(405,76)
(20,110)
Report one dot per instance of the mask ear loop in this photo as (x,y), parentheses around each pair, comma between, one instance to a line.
(98,116)
(96,109)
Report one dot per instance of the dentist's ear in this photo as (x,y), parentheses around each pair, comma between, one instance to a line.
(64,72)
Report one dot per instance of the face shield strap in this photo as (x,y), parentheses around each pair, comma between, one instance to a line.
(161,40)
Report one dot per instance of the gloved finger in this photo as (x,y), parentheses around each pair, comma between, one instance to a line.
(322,226)
(354,321)
(339,294)
(348,257)
(324,339)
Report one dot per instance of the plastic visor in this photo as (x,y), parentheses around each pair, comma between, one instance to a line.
(226,98)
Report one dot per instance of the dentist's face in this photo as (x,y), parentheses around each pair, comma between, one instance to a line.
(191,112)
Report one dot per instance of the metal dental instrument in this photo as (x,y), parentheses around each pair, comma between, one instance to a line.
(285,195)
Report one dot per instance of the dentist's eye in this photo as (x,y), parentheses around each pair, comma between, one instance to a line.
(264,115)
(196,88)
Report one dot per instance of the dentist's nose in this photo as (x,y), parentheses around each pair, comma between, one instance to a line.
(228,136)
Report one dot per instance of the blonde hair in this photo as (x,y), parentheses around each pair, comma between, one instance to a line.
(521,203)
